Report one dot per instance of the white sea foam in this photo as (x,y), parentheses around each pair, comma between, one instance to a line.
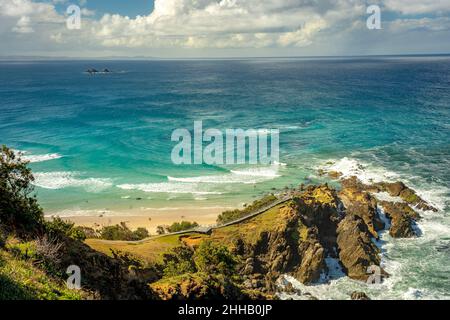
(64,179)
(433,227)
(169,187)
(244,176)
(82,213)
(41,157)
(365,172)
(435,194)
(384,196)
(32,158)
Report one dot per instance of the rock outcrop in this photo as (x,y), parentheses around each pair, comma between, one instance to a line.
(312,229)
(402,217)
(358,201)
(200,286)
(321,222)
(356,295)
(408,195)
(357,252)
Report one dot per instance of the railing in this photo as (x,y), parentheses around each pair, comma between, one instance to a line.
(209,229)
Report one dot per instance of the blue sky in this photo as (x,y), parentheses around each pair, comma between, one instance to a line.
(130,8)
(223,28)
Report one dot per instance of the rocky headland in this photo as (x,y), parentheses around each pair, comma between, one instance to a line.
(296,238)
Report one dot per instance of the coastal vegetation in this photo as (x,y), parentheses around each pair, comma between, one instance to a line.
(245,259)
(232,215)
(122,232)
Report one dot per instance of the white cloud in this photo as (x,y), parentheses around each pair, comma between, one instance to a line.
(214,24)
(23,25)
(418,6)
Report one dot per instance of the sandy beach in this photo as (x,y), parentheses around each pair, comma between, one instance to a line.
(150,219)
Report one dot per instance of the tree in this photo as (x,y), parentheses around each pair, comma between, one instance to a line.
(214,258)
(178,261)
(122,232)
(57,227)
(19,209)
(181,226)
(160,230)
(140,233)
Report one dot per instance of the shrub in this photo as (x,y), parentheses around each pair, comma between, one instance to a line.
(89,232)
(122,232)
(228,216)
(178,261)
(19,209)
(141,233)
(214,258)
(57,227)
(161,229)
(48,250)
(2,238)
(181,226)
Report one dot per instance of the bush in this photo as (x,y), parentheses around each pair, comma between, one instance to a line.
(161,230)
(141,233)
(89,232)
(181,226)
(19,209)
(228,216)
(178,261)
(2,238)
(214,258)
(122,232)
(48,249)
(58,227)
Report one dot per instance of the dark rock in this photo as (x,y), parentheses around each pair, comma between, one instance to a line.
(399,189)
(357,252)
(361,203)
(356,295)
(334,174)
(402,219)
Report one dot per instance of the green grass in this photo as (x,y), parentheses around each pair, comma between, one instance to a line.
(150,250)
(251,229)
(21,280)
(228,216)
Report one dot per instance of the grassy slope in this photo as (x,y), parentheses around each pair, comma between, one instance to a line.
(150,250)
(153,249)
(21,280)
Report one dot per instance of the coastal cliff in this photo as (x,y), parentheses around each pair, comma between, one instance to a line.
(296,233)
(298,236)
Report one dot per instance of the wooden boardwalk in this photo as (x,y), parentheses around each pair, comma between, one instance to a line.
(207,229)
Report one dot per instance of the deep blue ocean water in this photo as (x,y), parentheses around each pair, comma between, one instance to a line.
(98,142)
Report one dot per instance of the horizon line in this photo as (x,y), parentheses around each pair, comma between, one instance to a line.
(30,58)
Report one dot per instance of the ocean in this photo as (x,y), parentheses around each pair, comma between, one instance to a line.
(101,144)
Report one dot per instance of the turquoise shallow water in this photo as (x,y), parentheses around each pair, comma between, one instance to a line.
(99,142)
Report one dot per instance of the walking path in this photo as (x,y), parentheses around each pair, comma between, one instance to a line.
(208,229)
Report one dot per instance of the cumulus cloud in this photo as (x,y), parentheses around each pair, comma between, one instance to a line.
(217,24)
(418,6)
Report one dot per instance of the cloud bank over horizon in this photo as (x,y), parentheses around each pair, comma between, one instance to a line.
(185,28)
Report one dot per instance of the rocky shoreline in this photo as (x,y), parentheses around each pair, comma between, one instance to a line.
(320,222)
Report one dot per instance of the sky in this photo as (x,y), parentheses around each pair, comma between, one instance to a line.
(223,28)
